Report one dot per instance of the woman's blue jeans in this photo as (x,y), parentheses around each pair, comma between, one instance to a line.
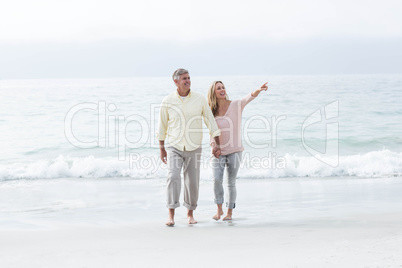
(231,163)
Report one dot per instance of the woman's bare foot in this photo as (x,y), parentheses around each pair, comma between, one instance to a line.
(170,221)
(228,217)
(219,213)
(190,217)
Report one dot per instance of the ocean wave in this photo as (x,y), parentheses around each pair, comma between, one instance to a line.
(383,163)
(73,167)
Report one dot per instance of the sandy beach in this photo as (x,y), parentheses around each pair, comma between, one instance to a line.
(278,223)
(364,241)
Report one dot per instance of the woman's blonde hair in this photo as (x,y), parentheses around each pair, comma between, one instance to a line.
(213,104)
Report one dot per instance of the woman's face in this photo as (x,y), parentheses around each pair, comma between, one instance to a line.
(220,91)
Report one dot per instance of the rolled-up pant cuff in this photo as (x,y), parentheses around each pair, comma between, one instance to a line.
(189,207)
(230,205)
(170,206)
(218,201)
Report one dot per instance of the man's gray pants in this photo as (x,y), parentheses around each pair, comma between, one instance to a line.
(189,161)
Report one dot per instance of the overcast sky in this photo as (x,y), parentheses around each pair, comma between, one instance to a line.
(119,38)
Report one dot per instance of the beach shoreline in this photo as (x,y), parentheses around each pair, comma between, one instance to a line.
(363,241)
(292,222)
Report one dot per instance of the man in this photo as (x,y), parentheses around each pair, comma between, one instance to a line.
(180,121)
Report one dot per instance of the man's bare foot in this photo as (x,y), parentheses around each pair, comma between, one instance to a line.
(191,220)
(190,217)
(218,215)
(170,222)
(228,217)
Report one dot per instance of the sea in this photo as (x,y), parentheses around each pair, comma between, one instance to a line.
(303,126)
(66,137)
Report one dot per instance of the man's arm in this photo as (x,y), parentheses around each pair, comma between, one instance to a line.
(162,129)
(214,130)
(163,153)
(216,151)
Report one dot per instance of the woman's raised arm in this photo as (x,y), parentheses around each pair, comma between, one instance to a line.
(263,87)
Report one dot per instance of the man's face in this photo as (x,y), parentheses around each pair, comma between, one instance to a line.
(184,82)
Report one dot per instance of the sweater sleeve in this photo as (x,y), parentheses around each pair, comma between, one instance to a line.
(246,100)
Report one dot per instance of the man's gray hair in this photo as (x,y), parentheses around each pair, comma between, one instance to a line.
(178,72)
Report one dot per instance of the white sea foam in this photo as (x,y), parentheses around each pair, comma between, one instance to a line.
(373,164)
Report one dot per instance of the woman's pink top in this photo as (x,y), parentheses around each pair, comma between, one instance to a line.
(230,126)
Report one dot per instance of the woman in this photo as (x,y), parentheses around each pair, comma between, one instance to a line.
(228,117)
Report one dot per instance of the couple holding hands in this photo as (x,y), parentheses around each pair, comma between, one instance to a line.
(180,122)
